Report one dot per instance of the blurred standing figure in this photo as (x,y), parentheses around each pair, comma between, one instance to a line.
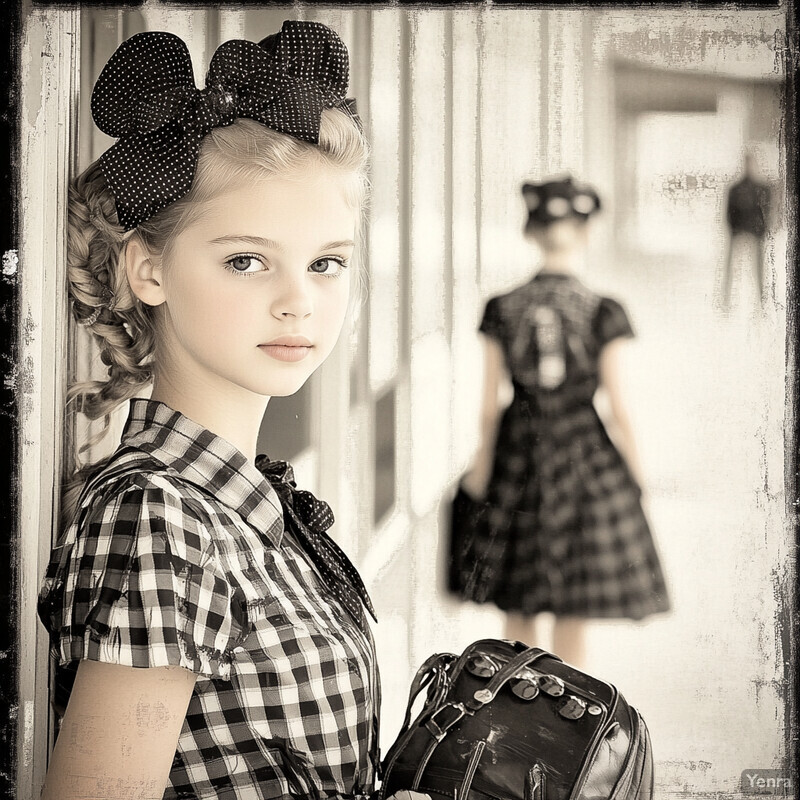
(747,213)
(567,531)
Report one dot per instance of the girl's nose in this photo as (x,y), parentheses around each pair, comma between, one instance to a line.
(293,297)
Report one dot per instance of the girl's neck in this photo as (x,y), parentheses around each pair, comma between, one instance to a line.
(561,261)
(235,418)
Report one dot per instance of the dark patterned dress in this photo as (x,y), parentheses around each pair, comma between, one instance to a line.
(565,531)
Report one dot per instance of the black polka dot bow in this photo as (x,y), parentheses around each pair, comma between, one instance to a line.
(146,98)
(309,519)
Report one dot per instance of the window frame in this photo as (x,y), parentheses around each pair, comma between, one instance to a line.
(50,57)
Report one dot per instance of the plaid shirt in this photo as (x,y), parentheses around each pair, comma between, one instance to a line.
(177,555)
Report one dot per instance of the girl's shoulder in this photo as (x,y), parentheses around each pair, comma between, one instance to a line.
(611,321)
(131,479)
(140,550)
(558,290)
(507,303)
(128,468)
(610,306)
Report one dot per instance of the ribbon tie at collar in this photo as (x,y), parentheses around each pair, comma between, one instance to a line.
(310,519)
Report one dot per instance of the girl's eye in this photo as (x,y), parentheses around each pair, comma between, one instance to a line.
(329,267)
(245,264)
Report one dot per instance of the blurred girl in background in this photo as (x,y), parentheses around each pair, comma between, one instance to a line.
(564,529)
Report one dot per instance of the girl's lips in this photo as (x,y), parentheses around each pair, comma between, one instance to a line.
(289,339)
(286,352)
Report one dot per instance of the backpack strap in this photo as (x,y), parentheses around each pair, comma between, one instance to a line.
(504,674)
(435,674)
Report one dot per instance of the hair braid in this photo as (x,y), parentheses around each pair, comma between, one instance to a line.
(98,286)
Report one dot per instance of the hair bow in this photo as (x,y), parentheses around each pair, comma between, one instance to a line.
(309,519)
(558,199)
(146,97)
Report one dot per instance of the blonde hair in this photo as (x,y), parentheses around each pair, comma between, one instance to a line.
(123,327)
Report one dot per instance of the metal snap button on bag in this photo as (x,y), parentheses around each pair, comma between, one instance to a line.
(483,695)
(525,686)
(481,666)
(552,685)
(572,707)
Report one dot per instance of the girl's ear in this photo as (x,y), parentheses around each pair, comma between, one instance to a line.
(144,274)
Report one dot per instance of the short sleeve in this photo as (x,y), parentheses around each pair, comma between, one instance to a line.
(610,322)
(135,583)
(492,321)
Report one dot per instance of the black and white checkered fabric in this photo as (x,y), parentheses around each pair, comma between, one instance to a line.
(566,530)
(178,556)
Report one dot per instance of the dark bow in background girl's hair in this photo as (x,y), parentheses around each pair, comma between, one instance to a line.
(147,98)
(310,519)
(559,198)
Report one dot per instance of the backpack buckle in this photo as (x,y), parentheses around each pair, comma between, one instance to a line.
(444,718)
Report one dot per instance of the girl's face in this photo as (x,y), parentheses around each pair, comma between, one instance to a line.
(255,292)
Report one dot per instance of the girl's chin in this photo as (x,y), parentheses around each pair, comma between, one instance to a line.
(282,388)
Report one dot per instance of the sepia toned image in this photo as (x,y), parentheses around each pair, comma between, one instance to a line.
(367,347)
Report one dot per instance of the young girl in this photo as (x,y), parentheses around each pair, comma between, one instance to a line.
(211,639)
(566,529)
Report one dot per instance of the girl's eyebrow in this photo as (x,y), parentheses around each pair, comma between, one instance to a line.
(257,241)
(271,244)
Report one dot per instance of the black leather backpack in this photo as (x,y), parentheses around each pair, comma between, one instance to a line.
(507,722)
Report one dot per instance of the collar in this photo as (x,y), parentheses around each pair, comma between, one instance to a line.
(544,274)
(206,460)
